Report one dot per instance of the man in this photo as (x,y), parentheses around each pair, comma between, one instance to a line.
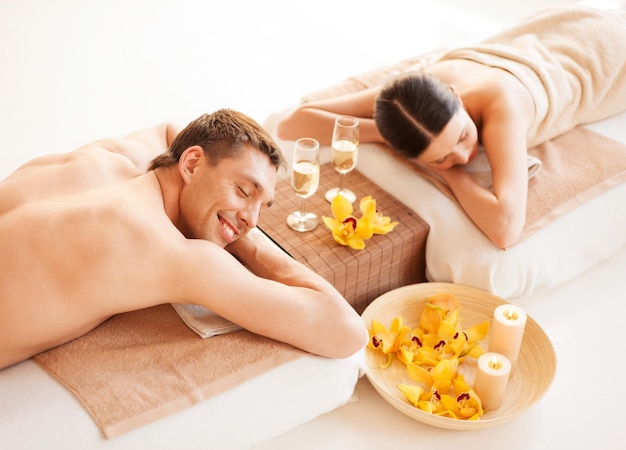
(89,234)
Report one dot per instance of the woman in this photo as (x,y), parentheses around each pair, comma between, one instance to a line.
(559,68)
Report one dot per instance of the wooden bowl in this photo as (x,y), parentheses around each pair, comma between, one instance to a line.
(530,378)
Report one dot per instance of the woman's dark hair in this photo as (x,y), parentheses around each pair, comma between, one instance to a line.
(221,134)
(413,109)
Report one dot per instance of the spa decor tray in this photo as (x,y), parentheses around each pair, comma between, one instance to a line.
(530,378)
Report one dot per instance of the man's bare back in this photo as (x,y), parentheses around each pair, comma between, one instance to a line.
(157,217)
(80,227)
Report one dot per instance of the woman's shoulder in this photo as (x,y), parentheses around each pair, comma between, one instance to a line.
(495,93)
(455,71)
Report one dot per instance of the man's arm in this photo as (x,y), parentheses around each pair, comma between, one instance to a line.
(265,259)
(276,296)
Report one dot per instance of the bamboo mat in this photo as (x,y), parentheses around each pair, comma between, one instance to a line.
(387,262)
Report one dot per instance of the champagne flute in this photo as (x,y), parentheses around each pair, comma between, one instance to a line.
(305,179)
(344,152)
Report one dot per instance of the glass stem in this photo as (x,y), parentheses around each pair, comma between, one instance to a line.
(340,182)
(302,210)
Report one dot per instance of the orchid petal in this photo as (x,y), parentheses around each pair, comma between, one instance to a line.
(420,375)
(341,208)
(411,392)
(446,301)
(477,332)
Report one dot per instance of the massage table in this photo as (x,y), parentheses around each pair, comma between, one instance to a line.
(38,412)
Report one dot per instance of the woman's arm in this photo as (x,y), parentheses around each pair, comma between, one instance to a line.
(316,119)
(500,214)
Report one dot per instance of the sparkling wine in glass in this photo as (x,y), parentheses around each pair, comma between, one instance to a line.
(305,179)
(344,152)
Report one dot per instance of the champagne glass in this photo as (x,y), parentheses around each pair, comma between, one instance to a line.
(344,152)
(305,179)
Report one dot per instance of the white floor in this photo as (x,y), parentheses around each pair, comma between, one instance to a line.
(72,71)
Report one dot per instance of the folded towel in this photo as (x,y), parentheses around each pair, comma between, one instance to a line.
(481,171)
(204,322)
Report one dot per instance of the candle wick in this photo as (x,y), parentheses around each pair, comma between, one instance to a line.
(510,314)
(494,363)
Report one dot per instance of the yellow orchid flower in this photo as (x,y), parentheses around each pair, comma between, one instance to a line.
(373,219)
(426,400)
(436,310)
(412,392)
(450,324)
(419,349)
(350,231)
(457,345)
(467,343)
(465,404)
(388,341)
(430,402)
(443,373)
(420,374)
(430,318)
(368,217)
(440,378)
(432,353)
(345,228)
(474,335)
(441,319)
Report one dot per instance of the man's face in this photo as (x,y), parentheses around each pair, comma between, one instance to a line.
(222,203)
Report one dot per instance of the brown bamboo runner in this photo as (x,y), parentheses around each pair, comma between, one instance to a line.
(387,262)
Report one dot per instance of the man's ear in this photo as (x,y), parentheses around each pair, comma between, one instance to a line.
(189,161)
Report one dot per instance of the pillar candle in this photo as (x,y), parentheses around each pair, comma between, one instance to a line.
(507,331)
(492,378)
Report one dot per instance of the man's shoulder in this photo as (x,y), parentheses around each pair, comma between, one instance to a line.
(107,154)
(120,150)
(106,147)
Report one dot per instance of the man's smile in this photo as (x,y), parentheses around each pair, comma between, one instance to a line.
(228,231)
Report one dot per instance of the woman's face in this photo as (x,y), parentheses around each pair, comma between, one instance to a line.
(456,145)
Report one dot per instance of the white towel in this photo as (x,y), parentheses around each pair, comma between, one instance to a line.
(203,321)
(481,171)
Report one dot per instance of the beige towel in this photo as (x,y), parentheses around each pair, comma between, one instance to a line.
(144,365)
(571,59)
